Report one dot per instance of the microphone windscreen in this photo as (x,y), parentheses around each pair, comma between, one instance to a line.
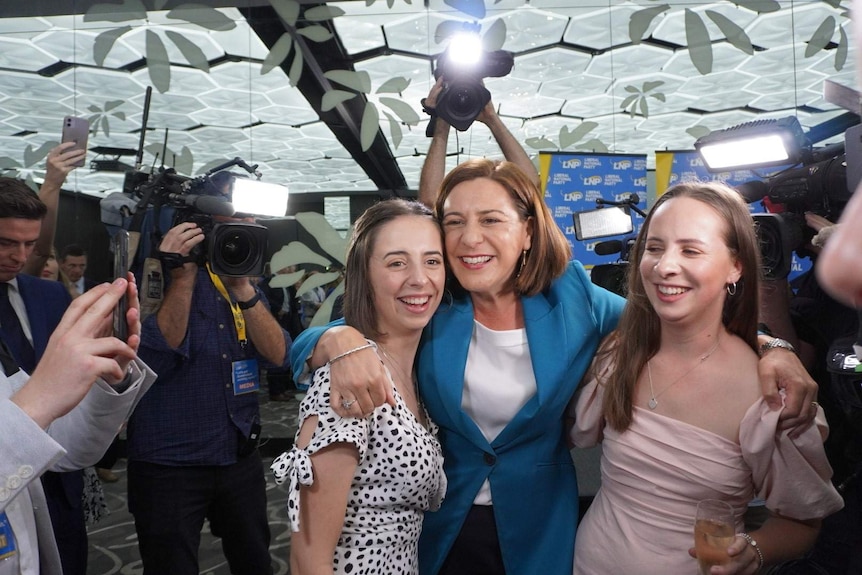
(213,206)
(752,191)
(609,247)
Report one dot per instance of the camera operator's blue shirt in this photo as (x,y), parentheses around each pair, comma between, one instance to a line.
(191,415)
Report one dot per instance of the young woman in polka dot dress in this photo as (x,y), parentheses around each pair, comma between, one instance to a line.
(359,487)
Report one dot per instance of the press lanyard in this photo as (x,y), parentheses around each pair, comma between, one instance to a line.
(238,319)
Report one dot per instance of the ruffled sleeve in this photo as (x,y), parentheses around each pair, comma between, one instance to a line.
(585,410)
(792,475)
(295,466)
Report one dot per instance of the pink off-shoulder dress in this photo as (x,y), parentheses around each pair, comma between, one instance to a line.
(654,473)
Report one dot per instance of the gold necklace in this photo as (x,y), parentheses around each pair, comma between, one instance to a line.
(653,401)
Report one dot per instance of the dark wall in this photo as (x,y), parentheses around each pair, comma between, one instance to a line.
(79,222)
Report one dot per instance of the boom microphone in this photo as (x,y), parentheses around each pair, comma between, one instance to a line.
(608,248)
(206,204)
(753,190)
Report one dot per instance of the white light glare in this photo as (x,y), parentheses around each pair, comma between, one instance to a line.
(259,198)
(465,49)
(748,151)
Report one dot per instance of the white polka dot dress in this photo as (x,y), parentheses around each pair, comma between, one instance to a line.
(399,477)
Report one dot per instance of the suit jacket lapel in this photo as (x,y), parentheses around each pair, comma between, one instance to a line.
(450,359)
(35,313)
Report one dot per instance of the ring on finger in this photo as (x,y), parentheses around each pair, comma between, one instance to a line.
(814,404)
(347,403)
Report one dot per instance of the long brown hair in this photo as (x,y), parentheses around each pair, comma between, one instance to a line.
(638,334)
(549,252)
(359,310)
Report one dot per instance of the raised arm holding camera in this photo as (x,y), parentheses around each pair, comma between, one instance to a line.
(193,443)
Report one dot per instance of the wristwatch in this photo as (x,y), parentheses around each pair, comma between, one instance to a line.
(777,342)
(253,301)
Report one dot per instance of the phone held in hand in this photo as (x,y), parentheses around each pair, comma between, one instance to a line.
(76,130)
(120,249)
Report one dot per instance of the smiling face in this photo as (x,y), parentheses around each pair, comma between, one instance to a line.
(485,236)
(407,275)
(686,264)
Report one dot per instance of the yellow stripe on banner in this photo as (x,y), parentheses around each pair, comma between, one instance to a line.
(544,170)
(663,168)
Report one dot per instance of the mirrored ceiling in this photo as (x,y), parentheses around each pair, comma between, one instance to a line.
(325,97)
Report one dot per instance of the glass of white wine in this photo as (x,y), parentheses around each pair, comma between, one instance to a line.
(713,533)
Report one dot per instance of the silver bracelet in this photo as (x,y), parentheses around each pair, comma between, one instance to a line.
(753,543)
(349,352)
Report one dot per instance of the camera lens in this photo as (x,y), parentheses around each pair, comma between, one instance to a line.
(235,248)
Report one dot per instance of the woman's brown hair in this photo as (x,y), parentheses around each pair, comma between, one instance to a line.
(549,253)
(638,334)
(359,310)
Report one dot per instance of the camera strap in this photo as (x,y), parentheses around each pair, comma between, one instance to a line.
(238,319)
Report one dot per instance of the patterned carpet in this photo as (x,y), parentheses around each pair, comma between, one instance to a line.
(113,543)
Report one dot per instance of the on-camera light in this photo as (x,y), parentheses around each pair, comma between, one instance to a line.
(753,145)
(259,198)
(465,49)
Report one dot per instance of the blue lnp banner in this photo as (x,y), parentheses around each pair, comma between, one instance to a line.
(572,182)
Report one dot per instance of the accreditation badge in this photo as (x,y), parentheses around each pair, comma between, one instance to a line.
(7,538)
(246,376)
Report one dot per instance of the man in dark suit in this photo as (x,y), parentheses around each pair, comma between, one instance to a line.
(73,262)
(30,310)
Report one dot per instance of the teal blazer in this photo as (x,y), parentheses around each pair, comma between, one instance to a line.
(533,482)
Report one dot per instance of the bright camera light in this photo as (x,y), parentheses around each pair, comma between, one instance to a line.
(756,144)
(757,150)
(465,49)
(259,198)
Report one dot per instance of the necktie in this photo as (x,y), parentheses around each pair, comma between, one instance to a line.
(10,365)
(13,333)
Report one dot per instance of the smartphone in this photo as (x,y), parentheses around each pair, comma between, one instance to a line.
(120,249)
(76,130)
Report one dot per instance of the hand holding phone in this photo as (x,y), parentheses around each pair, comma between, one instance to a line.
(76,130)
(120,249)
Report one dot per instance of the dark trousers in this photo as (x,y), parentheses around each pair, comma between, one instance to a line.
(63,492)
(476,550)
(170,504)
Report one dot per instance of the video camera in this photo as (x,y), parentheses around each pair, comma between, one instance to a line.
(235,249)
(819,186)
(463,95)
(614,220)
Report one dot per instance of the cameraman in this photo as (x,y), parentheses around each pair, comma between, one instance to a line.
(813,321)
(434,168)
(193,441)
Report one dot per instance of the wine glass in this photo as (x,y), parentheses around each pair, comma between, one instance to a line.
(713,533)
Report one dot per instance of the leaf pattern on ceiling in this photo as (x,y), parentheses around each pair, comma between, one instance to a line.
(567,138)
(637,100)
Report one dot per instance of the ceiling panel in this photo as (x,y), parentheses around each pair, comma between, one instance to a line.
(574,62)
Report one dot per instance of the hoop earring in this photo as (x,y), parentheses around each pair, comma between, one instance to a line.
(523,263)
(731,289)
(448,298)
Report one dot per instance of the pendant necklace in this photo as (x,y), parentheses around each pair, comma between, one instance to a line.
(653,401)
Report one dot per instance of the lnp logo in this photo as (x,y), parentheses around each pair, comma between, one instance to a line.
(623,165)
(570,230)
(695,162)
(572,196)
(572,163)
(593,181)
(639,182)
(622,197)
